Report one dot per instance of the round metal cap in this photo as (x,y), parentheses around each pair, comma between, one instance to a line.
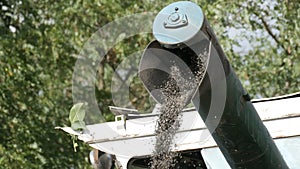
(178,23)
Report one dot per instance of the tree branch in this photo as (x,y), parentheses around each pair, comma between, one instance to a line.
(266,26)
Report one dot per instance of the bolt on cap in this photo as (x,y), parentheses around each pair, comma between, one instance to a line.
(178,23)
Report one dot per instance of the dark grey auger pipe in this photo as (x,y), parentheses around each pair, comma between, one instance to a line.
(182,30)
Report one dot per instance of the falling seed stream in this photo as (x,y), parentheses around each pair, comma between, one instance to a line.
(177,92)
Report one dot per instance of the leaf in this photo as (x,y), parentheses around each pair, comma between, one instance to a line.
(77,112)
(75,144)
(78,125)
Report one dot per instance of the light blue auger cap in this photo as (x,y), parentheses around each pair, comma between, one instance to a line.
(178,23)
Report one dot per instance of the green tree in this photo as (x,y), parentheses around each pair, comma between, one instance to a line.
(271,66)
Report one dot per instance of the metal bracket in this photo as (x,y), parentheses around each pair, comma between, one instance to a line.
(176,20)
(121,122)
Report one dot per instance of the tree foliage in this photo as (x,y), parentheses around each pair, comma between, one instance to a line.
(40,41)
(270,65)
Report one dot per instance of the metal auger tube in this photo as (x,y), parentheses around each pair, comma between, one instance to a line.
(181,28)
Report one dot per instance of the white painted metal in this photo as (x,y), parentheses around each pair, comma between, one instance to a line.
(288,147)
(135,137)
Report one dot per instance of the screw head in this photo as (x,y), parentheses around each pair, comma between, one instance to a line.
(174,17)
